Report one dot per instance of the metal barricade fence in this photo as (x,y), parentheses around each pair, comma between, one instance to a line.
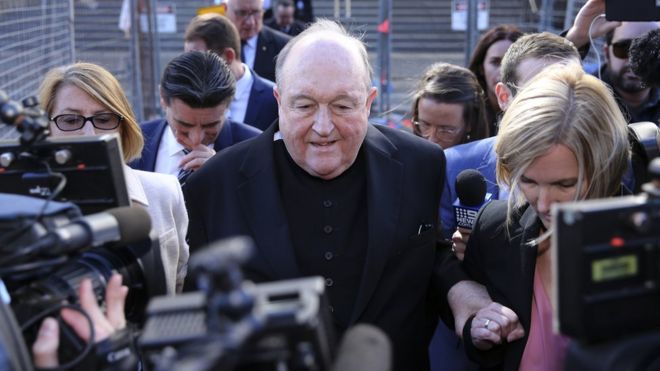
(35,35)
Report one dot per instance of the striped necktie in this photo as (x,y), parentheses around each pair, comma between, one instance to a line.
(184,173)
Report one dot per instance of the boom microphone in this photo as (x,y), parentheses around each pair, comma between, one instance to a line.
(472,195)
(364,348)
(121,225)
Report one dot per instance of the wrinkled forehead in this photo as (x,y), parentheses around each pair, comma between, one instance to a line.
(338,54)
(245,4)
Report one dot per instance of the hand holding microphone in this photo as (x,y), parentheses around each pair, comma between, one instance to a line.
(472,195)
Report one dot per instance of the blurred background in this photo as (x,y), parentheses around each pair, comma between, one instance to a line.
(403,37)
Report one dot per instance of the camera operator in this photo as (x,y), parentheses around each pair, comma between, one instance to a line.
(106,332)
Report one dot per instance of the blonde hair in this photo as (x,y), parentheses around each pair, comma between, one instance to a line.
(102,86)
(564,105)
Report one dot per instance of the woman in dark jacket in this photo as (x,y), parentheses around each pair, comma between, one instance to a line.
(562,139)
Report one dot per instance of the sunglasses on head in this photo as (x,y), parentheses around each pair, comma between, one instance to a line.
(620,48)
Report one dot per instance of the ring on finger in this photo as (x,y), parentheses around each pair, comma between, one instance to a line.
(487,323)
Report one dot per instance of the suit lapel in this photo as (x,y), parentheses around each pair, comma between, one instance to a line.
(225,138)
(530,230)
(151,145)
(255,91)
(260,199)
(262,54)
(384,189)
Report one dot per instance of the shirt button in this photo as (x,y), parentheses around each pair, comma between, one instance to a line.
(327,203)
(327,229)
(328,255)
(329,282)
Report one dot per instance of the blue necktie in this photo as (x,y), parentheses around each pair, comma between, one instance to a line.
(243,43)
(184,173)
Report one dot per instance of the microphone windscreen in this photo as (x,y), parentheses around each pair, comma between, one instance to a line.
(364,348)
(645,57)
(134,223)
(471,187)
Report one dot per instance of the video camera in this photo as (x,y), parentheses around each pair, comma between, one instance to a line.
(47,247)
(231,324)
(607,278)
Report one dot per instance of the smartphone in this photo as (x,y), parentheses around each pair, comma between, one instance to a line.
(625,10)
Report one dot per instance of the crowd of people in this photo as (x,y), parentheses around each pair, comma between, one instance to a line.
(266,134)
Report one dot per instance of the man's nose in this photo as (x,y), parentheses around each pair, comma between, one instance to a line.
(323,122)
(196,135)
(250,20)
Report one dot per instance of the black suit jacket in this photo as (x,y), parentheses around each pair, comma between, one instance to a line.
(237,193)
(269,44)
(262,106)
(232,132)
(504,263)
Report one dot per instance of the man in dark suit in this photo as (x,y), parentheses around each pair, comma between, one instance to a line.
(195,90)
(253,103)
(283,19)
(325,193)
(260,44)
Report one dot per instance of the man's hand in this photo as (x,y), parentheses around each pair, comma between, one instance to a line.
(579,32)
(465,299)
(198,155)
(44,349)
(495,324)
(459,242)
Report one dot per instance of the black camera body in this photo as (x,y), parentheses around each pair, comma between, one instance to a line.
(607,267)
(48,247)
(641,10)
(231,324)
(606,276)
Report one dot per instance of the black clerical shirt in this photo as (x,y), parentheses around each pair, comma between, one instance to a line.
(328,224)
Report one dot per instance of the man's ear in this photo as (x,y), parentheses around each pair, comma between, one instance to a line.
(606,52)
(373,93)
(504,95)
(163,101)
(276,94)
(229,55)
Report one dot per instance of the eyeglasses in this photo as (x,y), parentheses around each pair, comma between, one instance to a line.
(245,13)
(620,48)
(101,121)
(427,129)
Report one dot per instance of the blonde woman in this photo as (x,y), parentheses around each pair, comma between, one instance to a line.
(563,138)
(85,99)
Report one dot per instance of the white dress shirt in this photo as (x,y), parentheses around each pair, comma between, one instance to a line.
(170,154)
(250,50)
(238,105)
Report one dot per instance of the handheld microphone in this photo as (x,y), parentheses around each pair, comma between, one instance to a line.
(121,225)
(364,348)
(472,195)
